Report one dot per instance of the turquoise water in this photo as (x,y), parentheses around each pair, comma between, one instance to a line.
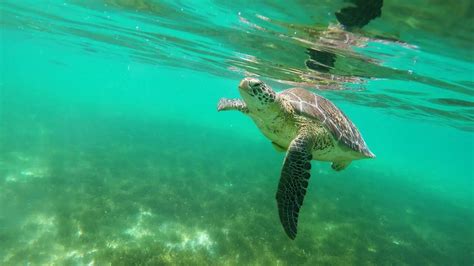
(112,151)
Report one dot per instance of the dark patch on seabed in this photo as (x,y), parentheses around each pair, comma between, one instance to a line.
(146,191)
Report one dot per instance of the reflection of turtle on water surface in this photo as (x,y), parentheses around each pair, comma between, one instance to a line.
(306,126)
(339,37)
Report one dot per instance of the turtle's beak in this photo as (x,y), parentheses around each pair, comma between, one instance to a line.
(244,84)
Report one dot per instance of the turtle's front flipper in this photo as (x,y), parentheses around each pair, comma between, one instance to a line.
(294,181)
(225,104)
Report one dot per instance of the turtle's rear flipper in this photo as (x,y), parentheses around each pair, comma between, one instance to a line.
(225,104)
(360,14)
(340,165)
(293,182)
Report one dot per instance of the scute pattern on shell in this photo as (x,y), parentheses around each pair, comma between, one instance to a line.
(317,107)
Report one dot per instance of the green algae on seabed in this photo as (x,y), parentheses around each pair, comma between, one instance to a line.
(150,211)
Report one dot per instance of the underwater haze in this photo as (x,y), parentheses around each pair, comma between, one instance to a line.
(112,151)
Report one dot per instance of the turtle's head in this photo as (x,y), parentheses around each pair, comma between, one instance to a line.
(256,94)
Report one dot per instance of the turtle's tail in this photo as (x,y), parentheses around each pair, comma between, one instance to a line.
(369,154)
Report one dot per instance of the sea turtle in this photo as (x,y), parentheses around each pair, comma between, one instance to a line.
(305,125)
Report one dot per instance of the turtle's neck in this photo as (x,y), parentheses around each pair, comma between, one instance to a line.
(265,113)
